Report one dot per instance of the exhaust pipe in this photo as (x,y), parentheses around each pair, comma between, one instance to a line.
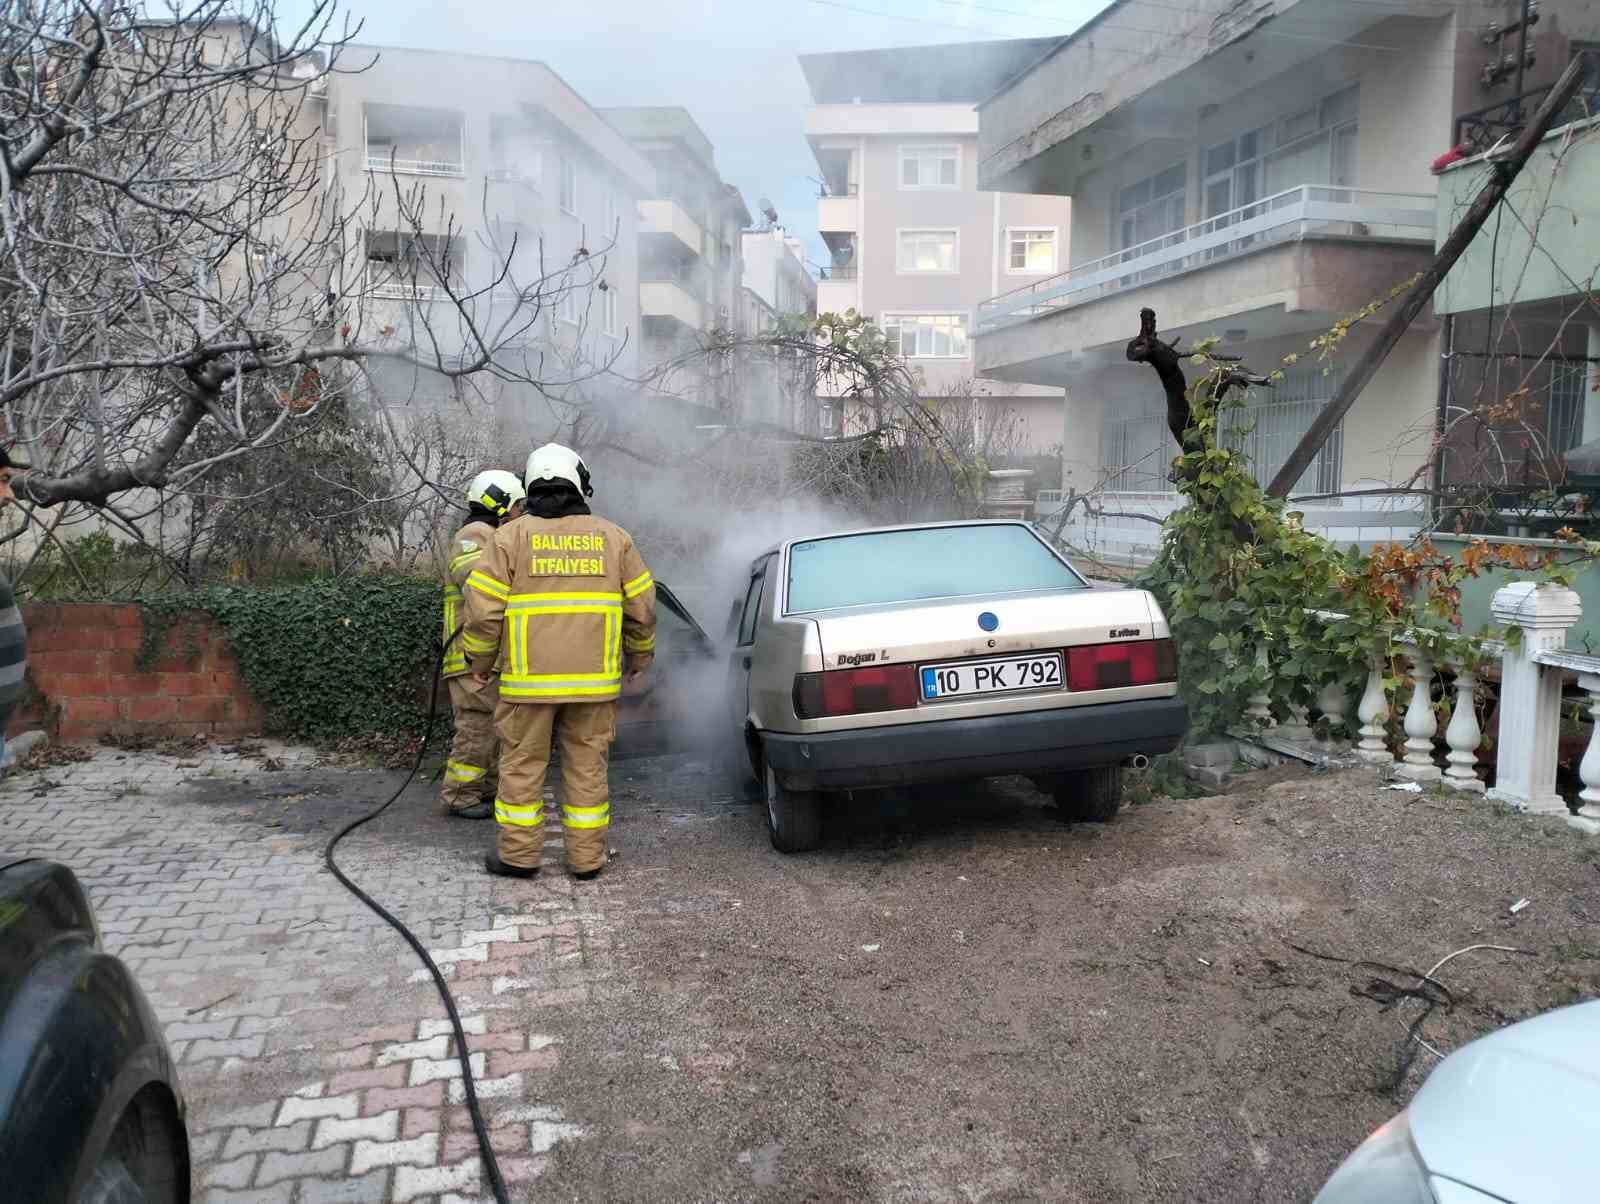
(1138,761)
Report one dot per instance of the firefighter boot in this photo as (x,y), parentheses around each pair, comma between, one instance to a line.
(524,730)
(586,730)
(469,771)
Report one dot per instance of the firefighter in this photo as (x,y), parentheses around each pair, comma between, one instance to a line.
(561,603)
(493,497)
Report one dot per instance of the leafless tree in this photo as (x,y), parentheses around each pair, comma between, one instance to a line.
(170,235)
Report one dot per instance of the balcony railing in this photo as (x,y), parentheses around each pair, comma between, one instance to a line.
(382,283)
(414,167)
(1480,129)
(1308,210)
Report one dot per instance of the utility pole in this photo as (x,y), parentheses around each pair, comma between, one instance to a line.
(1502,173)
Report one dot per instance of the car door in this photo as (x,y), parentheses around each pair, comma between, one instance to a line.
(742,654)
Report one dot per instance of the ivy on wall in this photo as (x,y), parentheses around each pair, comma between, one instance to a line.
(328,659)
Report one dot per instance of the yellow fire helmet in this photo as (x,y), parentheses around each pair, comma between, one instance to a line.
(496,490)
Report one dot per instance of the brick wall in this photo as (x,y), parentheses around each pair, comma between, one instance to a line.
(85,682)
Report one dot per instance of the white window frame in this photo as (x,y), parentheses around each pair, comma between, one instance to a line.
(924,152)
(613,213)
(569,170)
(608,313)
(899,251)
(1119,214)
(1055,250)
(566,306)
(898,319)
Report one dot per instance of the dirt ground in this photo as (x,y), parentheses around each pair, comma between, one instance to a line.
(960,998)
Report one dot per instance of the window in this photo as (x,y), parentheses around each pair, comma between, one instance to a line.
(1317,145)
(927,336)
(569,186)
(931,562)
(609,312)
(930,167)
(927,251)
(752,604)
(405,265)
(567,306)
(613,227)
(1031,250)
(1150,208)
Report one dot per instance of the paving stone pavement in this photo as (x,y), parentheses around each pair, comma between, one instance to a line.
(313,1049)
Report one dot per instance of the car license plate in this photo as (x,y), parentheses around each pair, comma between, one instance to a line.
(991,676)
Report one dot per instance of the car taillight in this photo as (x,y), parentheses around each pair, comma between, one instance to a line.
(855,691)
(1132,663)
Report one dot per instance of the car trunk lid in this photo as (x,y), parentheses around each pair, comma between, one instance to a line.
(957,628)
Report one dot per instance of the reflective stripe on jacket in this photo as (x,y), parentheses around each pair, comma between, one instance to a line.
(561,603)
(465,549)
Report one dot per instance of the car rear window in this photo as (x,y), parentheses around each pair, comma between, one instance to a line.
(933,562)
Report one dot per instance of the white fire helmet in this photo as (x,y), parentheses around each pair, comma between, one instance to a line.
(553,462)
(496,490)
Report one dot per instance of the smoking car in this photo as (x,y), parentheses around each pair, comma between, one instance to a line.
(942,652)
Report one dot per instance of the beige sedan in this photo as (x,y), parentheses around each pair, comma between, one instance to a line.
(943,652)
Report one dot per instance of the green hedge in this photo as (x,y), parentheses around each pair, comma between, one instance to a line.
(327,660)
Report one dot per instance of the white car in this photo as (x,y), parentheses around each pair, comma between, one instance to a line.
(943,652)
(1512,1118)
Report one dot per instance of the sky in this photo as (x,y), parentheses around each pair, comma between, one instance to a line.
(731,63)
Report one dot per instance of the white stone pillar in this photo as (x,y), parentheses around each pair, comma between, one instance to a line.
(1332,703)
(1421,723)
(1463,735)
(1588,817)
(1260,703)
(1530,694)
(1373,712)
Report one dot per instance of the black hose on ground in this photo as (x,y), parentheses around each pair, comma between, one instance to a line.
(491,1166)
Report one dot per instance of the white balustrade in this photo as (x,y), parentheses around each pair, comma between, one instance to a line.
(1259,707)
(1463,735)
(1588,817)
(1332,702)
(1373,711)
(1421,724)
(1530,694)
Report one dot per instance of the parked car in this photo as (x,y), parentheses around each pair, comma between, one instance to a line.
(942,652)
(90,1107)
(1512,1118)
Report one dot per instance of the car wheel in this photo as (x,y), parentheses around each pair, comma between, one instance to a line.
(794,817)
(112,1183)
(1090,795)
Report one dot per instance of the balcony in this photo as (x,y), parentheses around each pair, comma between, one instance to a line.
(837,293)
(668,218)
(416,142)
(1306,212)
(671,301)
(515,198)
(839,214)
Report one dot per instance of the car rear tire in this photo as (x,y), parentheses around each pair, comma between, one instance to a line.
(1090,795)
(794,817)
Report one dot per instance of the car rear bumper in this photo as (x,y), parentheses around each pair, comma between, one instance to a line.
(1036,742)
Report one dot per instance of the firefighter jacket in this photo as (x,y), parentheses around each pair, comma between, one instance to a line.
(465,549)
(555,604)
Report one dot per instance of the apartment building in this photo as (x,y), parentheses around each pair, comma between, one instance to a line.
(775,270)
(913,242)
(523,190)
(1252,174)
(691,263)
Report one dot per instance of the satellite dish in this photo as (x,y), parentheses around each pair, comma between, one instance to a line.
(767,211)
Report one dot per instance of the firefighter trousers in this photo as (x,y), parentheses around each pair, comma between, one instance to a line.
(584,731)
(469,771)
